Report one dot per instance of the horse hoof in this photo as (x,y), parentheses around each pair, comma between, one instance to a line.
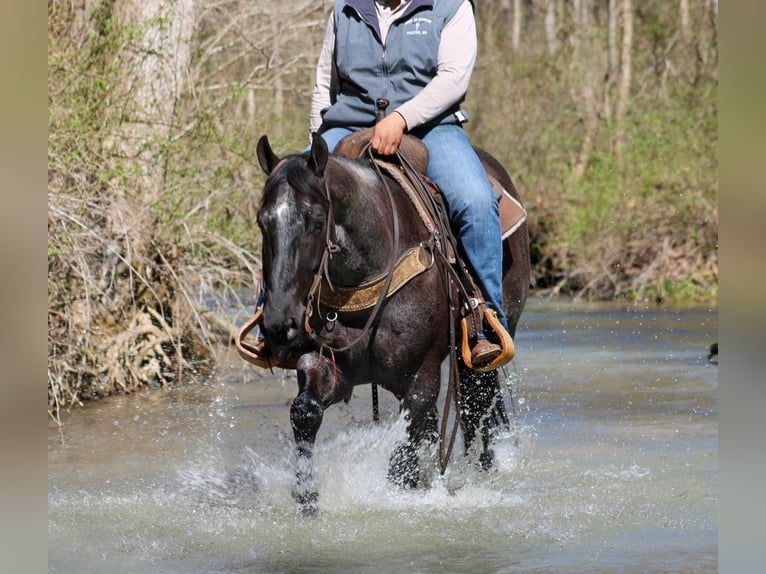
(307,502)
(487,459)
(403,470)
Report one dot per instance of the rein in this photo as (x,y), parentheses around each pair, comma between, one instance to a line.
(324,270)
(453,278)
(457,279)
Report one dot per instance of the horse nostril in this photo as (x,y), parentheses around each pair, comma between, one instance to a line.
(280,334)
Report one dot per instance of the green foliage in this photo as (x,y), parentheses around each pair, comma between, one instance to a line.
(687,291)
(640,224)
(145,211)
(670,165)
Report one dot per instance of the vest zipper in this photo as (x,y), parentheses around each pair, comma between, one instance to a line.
(384,63)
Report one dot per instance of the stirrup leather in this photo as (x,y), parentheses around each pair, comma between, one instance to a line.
(506,343)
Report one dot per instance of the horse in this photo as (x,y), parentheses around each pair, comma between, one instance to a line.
(339,218)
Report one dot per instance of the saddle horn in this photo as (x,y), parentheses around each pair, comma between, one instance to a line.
(381,104)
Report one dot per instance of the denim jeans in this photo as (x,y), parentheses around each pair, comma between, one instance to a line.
(472,208)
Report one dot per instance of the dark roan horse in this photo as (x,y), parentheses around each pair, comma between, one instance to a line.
(326,214)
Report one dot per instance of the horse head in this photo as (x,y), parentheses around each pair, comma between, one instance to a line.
(292,220)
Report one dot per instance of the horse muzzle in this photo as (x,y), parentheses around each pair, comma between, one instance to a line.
(283,334)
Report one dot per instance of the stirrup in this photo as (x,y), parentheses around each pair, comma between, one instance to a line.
(509,350)
(253,354)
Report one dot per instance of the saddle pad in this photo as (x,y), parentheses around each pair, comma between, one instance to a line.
(512,213)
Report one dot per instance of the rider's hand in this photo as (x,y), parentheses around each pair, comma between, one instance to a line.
(387,134)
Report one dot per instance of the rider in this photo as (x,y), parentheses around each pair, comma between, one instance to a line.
(418,54)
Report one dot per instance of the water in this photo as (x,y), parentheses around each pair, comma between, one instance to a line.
(611,466)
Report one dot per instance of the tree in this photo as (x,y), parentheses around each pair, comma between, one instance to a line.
(551,28)
(156,81)
(686,27)
(614,57)
(623,94)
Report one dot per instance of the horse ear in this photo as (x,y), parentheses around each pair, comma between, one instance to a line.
(267,159)
(318,155)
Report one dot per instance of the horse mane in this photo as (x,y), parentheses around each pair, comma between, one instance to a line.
(352,172)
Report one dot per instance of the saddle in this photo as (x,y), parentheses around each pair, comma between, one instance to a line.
(413,155)
(512,213)
(413,149)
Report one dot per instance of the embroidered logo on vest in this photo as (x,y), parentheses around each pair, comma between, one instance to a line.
(421,26)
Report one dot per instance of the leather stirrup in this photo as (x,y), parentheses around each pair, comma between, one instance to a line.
(506,342)
(247,351)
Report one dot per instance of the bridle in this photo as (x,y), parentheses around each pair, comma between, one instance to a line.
(323,270)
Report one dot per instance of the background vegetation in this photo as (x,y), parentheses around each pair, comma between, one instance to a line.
(604,112)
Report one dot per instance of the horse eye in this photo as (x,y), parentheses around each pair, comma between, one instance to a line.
(314,221)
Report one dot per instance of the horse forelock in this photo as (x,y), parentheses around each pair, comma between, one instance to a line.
(293,173)
(294,181)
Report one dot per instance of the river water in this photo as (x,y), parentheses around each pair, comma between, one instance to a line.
(611,465)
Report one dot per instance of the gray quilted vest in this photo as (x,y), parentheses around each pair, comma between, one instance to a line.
(367,70)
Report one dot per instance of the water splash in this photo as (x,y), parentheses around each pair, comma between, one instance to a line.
(610,464)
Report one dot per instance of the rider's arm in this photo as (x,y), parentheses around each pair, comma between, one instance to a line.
(455,61)
(320,97)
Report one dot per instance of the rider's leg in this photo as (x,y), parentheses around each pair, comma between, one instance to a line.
(473,210)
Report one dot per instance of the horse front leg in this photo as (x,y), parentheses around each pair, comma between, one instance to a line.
(306,418)
(419,405)
(318,388)
(481,411)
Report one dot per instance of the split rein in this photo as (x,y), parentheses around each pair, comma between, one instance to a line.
(324,268)
(452,277)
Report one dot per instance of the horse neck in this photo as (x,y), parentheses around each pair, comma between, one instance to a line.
(363,223)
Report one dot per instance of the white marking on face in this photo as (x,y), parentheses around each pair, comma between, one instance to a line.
(284,209)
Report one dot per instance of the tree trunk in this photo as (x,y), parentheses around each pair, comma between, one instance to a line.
(517,19)
(581,13)
(590,119)
(686,31)
(712,16)
(508,13)
(550,27)
(614,53)
(623,93)
(587,72)
(275,62)
(581,20)
(157,82)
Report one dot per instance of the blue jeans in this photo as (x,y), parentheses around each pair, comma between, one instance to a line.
(472,208)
